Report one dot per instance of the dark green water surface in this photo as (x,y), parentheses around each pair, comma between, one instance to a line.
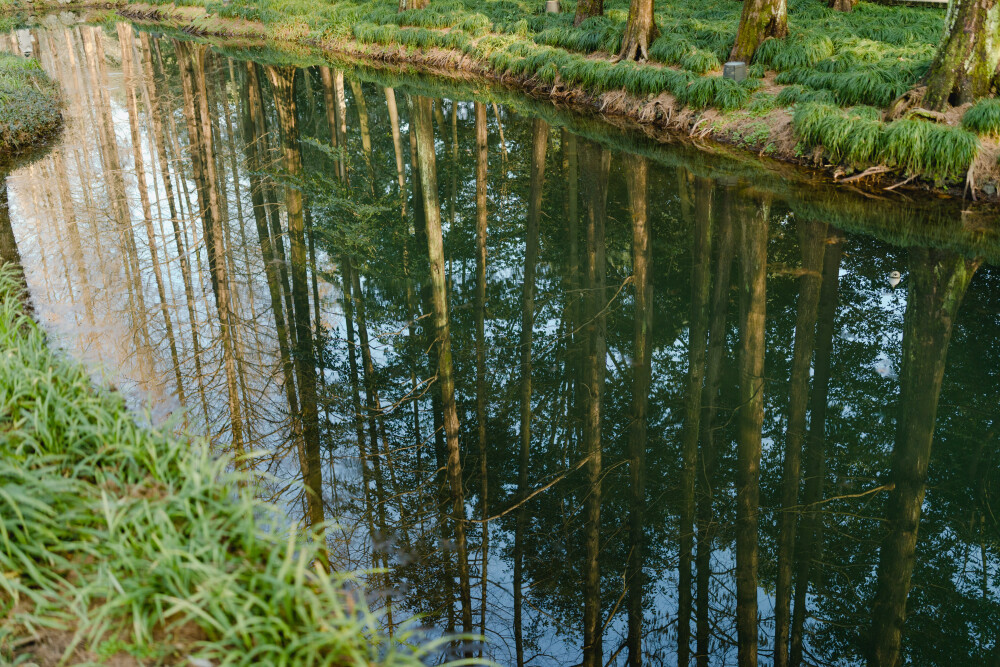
(603,393)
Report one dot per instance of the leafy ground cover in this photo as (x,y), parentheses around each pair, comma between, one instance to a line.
(119,542)
(29,103)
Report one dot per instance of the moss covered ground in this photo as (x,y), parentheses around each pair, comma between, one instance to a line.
(29,103)
(120,543)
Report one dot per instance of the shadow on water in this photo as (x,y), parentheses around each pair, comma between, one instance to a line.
(601,399)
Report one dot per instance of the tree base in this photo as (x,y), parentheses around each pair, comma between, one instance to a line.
(635,45)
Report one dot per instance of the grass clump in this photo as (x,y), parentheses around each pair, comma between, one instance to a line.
(983,118)
(858,137)
(116,538)
(29,102)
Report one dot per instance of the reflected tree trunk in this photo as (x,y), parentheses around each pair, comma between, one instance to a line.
(283,86)
(637,177)
(117,194)
(482,215)
(158,108)
(359,424)
(397,145)
(539,145)
(937,282)
(701,282)
(811,531)
(331,105)
(373,409)
(717,330)
(255,149)
(190,58)
(574,354)
(812,237)
(753,256)
(427,164)
(341,107)
(595,164)
(366,139)
(127,41)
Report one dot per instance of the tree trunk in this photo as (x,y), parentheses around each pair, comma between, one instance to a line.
(587,8)
(637,177)
(760,20)
(427,163)
(841,5)
(539,144)
(966,64)
(937,282)
(640,31)
(753,255)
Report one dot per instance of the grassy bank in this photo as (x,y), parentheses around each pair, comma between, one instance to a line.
(846,69)
(29,103)
(119,542)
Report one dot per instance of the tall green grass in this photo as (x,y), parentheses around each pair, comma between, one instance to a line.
(983,118)
(858,138)
(129,541)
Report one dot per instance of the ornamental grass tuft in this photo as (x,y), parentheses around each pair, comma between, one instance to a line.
(858,137)
(983,118)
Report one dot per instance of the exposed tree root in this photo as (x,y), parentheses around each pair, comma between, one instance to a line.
(908,100)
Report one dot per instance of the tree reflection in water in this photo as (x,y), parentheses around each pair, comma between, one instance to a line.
(601,407)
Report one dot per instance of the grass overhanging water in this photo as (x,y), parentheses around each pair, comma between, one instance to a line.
(118,539)
(29,103)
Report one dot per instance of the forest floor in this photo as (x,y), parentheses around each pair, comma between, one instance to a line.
(823,97)
(122,545)
(29,104)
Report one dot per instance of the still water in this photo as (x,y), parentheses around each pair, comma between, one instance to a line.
(549,382)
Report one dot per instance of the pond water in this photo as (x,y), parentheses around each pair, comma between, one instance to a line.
(551,382)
